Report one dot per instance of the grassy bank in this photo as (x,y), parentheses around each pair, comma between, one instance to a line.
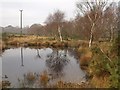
(42,41)
(100,61)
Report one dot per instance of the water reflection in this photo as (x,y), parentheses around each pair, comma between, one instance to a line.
(73,52)
(38,54)
(56,62)
(59,64)
(22,57)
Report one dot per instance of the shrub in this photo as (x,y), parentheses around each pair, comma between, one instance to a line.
(101,66)
(113,67)
(99,62)
(114,75)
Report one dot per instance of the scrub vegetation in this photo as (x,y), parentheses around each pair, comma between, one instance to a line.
(94,33)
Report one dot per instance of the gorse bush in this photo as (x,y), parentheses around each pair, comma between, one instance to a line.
(114,76)
(98,64)
(113,66)
(103,64)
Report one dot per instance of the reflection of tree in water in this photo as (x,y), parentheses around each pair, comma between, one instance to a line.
(73,53)
(38,54)
(56,62)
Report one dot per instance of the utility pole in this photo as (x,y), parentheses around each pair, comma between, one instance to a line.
(21,21)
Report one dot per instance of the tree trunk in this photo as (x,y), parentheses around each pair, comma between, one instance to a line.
(111,35)
(59,31)
(91,35)
(91,40)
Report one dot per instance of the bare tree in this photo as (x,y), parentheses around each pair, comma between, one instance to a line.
(110,20)
(118,28)
(56,19)
(118,15)
(92,10)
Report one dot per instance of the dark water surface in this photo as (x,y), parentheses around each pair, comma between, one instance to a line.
(61,64)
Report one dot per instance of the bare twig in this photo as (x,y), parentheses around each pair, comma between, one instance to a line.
(105,55)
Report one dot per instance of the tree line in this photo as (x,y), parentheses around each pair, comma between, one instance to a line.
(95,20)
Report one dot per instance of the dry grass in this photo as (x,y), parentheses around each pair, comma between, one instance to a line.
(105,46)
(26,39)
(44,41)
(62,84)
(30,76)
(6,84)
(2,46)
(44,79)
(0,85)
(33,40)
(85,57)
(100,82)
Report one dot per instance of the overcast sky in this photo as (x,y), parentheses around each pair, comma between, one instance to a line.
(34,11)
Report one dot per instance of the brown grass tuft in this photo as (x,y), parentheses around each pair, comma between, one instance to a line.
(44,78)
(86,56)
(30,76)
(100,82)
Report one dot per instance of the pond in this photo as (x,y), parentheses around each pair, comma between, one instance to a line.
(62,65)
